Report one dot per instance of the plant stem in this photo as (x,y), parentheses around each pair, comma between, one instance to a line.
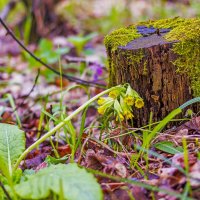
(12,103)
(5,191)
(60,125)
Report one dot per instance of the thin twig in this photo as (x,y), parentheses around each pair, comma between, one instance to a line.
(5,191)
(70,78)
(71,59)
(32,89)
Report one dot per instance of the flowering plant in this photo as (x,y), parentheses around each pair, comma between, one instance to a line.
(120,101)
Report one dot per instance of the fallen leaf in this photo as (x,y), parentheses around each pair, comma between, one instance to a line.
(108,164)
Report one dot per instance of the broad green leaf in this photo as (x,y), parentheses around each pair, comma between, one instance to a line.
(12,144)
(167,147)
(4,168)
(45,45)
(51,57)
(68,181)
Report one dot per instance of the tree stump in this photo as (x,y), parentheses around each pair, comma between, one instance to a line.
(160,60)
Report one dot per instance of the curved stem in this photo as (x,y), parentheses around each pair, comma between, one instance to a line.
(60,125)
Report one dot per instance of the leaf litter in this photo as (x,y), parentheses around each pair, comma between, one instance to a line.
(95,155)
(18,80)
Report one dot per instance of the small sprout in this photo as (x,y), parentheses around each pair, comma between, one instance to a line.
(139,103)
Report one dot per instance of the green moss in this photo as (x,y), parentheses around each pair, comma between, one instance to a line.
(120,37)
(145,68)
(185,31)
(163,23)
(134,58)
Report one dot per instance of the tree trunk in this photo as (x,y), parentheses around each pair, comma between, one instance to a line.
(44,20)
(147,64)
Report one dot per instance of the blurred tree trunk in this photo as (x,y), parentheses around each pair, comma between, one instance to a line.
(44,20)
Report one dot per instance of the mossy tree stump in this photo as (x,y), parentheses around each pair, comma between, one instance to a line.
(160,60)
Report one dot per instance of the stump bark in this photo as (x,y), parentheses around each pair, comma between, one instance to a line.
(147,64)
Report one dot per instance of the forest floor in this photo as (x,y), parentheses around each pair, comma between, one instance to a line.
(28,91)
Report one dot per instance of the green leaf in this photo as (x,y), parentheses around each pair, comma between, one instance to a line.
(53,160)
(63,50)
(91,36)
(68,181)
(52,57)
(4,168)
(12,144)
(167,147)
(2,194)
(162,124)
(45,45)
(79,39)
(47,53)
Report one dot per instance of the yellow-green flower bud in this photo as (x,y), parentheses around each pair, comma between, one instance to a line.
(129,100)
(131,92)
(101,110)
(128,115)
(125,108)
(119,117)
(114,94)
(108,103)
(101,101)
(139,103)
